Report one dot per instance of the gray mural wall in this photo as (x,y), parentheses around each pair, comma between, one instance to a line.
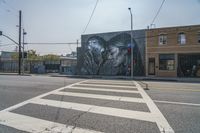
(110,54)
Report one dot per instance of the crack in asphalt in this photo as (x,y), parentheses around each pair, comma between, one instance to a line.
(77,117)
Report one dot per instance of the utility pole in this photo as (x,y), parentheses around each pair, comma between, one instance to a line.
(24,33)
(20,24)
(131,42)
(77,43)
(77,48)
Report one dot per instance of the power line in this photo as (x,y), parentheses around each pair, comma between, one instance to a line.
(8,5)
(6,45)
(9,9)
(48,43)
(91,16)
(158,12)
(188,32)
(140,37)
(75,43)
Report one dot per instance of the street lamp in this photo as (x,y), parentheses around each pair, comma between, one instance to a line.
(1,34)
(24,33)
(131,42)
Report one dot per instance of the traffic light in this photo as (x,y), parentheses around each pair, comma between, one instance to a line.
(25,55)
(1,33)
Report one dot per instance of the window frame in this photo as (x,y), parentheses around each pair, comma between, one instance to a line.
(198,37)
(181,41)
(162,36)
(167,62)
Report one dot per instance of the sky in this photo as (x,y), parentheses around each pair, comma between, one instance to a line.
(65,20)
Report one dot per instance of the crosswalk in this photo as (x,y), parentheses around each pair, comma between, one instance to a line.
(101,101)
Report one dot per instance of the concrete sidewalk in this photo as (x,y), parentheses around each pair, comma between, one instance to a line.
(143,78)
(3,73)
(175,79)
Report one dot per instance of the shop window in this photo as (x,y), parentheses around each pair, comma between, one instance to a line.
(162,39)
(166,62)
(198,37)
(181,38)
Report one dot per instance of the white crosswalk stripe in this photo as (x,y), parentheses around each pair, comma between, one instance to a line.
(112,90)
(31,124)
(103,85)
(116,98)
(98,109)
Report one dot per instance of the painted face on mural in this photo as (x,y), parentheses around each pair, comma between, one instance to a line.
(95,46)
(110,55)
(95,49)
(117,53)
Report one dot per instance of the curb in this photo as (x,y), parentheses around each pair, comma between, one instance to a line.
(14,74)
(187,80)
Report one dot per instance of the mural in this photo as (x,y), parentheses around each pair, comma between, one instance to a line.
(111,57)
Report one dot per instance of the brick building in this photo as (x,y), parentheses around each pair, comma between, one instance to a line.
(173,51)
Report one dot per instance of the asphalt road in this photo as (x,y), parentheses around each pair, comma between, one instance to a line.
(179,102)
(39,103)
(16,89)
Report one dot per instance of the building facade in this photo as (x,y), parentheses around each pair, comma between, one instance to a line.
(173,51)
(63,65)
(110,54)
(68,65)
(160,52)
(7,56)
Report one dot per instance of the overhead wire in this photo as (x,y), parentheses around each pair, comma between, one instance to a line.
(53,43)
(158,12)
(91,16)
(140,37)
(7,45)
(9,9)
(95,6)
(6,3)
(5,6)
(187,32)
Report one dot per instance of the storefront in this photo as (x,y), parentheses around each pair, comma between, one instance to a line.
(189,65)
(173,52)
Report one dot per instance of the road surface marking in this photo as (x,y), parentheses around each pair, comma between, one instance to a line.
(138,115)
(161,122)
(110,82)
(106,97)
(107,80)
(179,103)
(153,116)
(110,90)
(167,89)
(117,86)
(31,124)
(37,97)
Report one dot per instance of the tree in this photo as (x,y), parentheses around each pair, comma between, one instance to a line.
(50,57)
(32,55)
(15,56)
